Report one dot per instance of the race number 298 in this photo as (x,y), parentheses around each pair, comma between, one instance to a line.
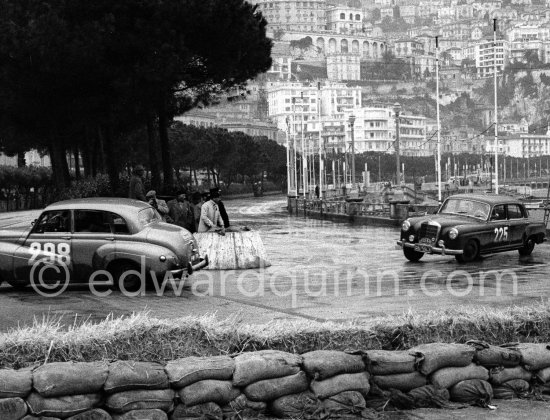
(50,252)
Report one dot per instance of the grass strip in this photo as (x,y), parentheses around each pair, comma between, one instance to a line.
(141,337)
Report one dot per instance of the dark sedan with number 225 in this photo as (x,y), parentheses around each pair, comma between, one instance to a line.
(470,225)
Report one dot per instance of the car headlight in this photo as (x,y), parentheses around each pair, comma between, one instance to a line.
(453,233)
(406,226)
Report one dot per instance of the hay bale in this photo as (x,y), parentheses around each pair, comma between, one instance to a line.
(516,388)
(435,356)
(127,375)
(401,381)
(472,392)
(323,364)
(209,390)
(384,362)
(153,414)
(60,379)
(183,372)
(264,364)
(125,401)
(295,406)
(62,407)
(241,407)
(489,356)
(233,251)
(500,375)
(210,411)
(12,408)
(15,383)
(536,356)
(95,414)
(349,403)
(447,377)
(271,389)
(341,383)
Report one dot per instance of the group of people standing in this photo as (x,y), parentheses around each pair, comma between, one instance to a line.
(193,211)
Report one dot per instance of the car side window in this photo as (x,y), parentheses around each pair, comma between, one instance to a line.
(118,224)
(91,221)
(514,212)
(498,213)
(53,221)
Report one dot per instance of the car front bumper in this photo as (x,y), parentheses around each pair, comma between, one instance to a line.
(432,249)
(190,269)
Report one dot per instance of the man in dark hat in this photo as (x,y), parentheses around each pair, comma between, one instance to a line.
(211,220)
(136,190)
(223,212)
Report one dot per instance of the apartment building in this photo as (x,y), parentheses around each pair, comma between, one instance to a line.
(341,66)
(290,15)
(344,20)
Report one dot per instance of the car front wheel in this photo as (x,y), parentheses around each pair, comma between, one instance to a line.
(412,255)
(528,247)
(470,252)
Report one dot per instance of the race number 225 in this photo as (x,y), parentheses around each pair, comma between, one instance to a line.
(60,253)
(501,234)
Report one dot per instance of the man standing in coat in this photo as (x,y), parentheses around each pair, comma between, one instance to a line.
(137,191)
(211,220)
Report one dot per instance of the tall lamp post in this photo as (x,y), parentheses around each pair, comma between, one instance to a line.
(397,110)
(351,124)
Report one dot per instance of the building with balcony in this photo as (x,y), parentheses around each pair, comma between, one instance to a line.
(344,20)
(291,15)
(342,66)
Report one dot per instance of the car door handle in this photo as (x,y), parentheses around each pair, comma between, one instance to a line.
(68,238)
(110,238)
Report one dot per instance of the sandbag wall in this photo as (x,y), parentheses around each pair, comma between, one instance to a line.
(312,385)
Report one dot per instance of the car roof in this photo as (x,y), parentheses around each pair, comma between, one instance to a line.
(488,198)
(125,207)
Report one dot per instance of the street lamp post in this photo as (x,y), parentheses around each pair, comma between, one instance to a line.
(351,124)
(397,110)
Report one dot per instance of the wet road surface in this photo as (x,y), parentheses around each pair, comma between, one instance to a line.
(320,270)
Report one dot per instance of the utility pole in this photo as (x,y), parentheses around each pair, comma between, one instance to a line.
(438,122)
(321,162)
(397,109)
(496,119)
(351,124)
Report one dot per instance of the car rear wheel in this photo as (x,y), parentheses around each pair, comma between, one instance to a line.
(528,247)
(126,276)
(412,255)
(470,251)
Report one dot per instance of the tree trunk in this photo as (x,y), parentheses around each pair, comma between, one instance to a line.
(196,180)
(153,154)
(168,180)
(76,162)
(60,169)
(111,159)
(21,160)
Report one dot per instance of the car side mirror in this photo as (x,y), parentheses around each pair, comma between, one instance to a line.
(33,222)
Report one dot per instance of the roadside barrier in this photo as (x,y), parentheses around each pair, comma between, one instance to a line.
(315,385)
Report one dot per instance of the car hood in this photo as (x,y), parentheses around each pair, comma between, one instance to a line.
(13,235)
(445,220)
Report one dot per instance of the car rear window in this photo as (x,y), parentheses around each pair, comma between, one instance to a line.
(147,216)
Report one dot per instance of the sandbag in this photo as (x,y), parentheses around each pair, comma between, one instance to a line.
(207,411)
(489,356)
(29,417)
(323,364)
(62,407)
(499,375)
(183,372)
(95,414)
(271,389)
(295,406)
(430,396)
(12,408)
(349,403)
(535,356)
(125,401)
(434,356)
(401,381)
(384,362)
(264,364)
(447,377)
(60,379)
(543,375)
(341,383)
(127,375)
(154,414)
(241,407)
(15,383)
(472,392)
(209,390)
(516,388)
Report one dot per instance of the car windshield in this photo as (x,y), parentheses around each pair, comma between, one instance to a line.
(147,216)
(466,207)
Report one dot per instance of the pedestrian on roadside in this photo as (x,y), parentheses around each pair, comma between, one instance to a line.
(223,212)
(181,212)
(136,189)
(196,205)
(317,191)
(211,220)
(159,205)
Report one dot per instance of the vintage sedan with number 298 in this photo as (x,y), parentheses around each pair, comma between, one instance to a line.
(75,240)
(470,225)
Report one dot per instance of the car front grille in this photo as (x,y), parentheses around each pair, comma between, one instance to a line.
(429,231)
